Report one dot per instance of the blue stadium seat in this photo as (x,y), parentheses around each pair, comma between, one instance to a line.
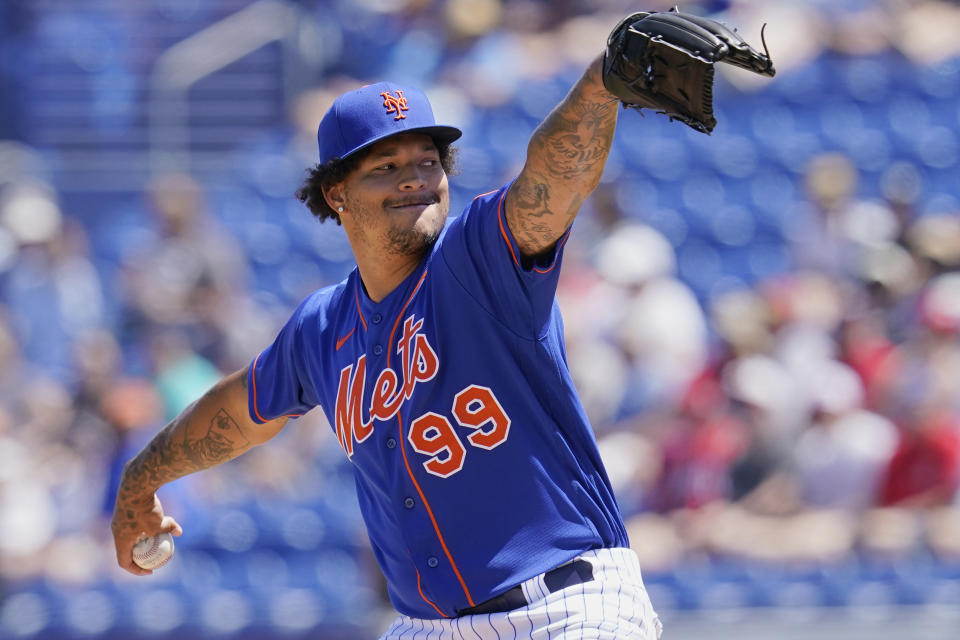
(871,594)
(735,156)
(199,570)
(90,612)
(870,149)
(937,147)
(27,612)
(839,120)
(298,610)
(702,193)
(155,612)
(797,594)
(867,78)
(267,570)
(664,159)
(768,258)
(772,195)
(771,119)
(225,611)
(803,85)
(794,152)
(727,596)
(939,81)
(235,530)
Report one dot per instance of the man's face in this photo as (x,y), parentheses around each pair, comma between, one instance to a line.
(398,198)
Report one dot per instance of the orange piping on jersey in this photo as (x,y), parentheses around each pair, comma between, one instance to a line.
(253,378)
(357,298)
(485,194)
(504,231)
(397,323)
(403,450)
(446,551)
(563,240)
(425,598)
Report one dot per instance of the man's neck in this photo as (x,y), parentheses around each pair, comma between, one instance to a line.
(382,274)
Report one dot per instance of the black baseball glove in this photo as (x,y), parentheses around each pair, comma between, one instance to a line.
(664,61)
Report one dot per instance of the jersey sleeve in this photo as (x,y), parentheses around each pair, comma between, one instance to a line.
(278,382)
(483,255)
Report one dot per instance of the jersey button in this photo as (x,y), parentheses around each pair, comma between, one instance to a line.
(391,443)
(377,318)
(408,503)
(377,349)
(432,562)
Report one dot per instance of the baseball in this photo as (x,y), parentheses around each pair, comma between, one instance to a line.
(154,551)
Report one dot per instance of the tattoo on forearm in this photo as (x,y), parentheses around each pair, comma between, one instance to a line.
(177,451)
(565,159)
(577,141)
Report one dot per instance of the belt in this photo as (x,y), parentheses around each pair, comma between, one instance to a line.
(566,575)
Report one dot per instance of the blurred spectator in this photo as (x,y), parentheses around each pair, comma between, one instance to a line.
(866,347)
(182,374)
(839,459)
(661,328)
(925,469)
(699,445)
(935,239)
(51,282)
(187,274)
(637,333)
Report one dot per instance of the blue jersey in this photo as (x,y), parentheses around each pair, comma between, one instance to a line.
(475,465)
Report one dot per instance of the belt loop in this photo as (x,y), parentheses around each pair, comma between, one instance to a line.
(533,589)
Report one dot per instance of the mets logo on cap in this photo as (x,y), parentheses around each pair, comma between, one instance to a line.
(395,104)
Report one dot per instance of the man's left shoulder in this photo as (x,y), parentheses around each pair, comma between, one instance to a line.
(486,206)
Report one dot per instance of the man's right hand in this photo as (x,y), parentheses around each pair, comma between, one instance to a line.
(134,519)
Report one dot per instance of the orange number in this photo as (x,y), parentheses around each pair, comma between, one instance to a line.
(431,434)
(476,407)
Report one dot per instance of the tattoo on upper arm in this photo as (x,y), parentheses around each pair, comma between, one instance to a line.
(532,195)
(223,440)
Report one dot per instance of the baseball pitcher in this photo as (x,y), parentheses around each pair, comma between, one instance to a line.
(440,363)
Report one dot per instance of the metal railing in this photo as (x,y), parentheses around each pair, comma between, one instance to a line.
(187,62)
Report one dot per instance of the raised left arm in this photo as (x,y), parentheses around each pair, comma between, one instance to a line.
(565,159)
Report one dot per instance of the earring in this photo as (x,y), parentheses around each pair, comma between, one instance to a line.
(340,209)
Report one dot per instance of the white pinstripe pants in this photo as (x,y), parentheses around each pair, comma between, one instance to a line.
(612,606)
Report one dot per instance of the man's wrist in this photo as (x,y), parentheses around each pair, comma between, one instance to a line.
(595,74)
(134,490)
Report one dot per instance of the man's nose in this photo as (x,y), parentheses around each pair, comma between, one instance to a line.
(412,178)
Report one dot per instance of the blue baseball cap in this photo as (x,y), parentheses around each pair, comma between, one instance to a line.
(359,118)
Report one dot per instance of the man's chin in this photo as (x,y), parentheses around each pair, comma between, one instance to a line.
(411,242)
(421,235)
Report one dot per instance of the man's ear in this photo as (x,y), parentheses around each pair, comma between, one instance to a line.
(334,196)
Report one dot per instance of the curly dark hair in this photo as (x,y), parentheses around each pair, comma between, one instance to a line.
(323,176)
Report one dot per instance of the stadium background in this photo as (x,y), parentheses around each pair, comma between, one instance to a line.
(763,322)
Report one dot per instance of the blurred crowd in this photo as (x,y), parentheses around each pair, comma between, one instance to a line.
(810,416)
(803,416)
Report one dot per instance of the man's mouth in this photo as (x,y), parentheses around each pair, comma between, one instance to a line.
(409,203)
